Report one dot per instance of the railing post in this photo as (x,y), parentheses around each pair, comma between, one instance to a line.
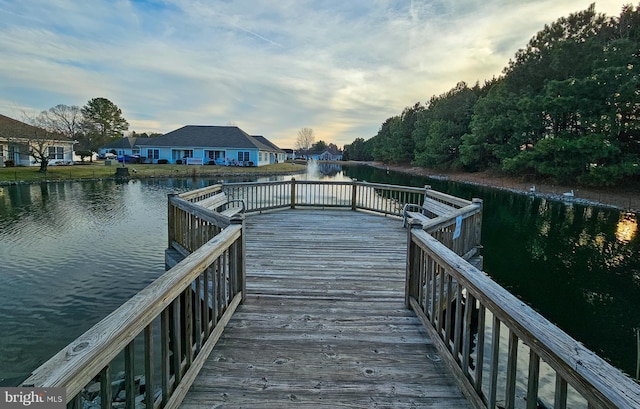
(293,193)
(171,220)
(426,195)
(354,193)
(411,279)
(240,257)
(478,222)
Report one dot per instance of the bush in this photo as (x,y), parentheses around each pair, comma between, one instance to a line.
(9,163)
(84,154)
(162,161)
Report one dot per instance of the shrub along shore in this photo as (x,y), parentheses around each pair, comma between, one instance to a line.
(626,198)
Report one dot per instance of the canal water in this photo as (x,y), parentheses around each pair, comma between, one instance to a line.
(70,253)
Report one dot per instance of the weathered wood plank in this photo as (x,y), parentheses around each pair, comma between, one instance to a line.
(596,380)
(102,343)
(324,322)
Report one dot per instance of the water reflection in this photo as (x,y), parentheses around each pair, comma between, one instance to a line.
(71,254)
(627,227)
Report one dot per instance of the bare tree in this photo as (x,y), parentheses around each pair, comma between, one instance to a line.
(34,137)
(304,141)
(65,120)
(41,140)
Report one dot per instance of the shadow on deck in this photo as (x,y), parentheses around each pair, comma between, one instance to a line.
(324,323)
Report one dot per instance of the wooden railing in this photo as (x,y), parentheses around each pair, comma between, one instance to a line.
(161,337)
(504,353)
(460,231)
(355,195)
(190,225)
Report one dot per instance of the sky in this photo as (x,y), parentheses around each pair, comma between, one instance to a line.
(270,67)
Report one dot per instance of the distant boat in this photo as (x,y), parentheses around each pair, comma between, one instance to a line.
(568,194)
(532,189)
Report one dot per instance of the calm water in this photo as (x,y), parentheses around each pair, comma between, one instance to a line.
(70,253)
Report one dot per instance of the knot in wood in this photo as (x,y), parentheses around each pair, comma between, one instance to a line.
(80,346)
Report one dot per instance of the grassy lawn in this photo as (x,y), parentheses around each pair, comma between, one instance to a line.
(98,170)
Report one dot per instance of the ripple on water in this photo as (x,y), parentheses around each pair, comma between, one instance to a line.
(71,254)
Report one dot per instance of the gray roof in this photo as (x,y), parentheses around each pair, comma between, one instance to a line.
(12,128)
(198,136)
(127,143)
(269,145)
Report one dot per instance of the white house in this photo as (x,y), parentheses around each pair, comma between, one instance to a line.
(18,140)
(194,144)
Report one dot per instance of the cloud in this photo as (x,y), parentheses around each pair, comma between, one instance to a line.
(340,68)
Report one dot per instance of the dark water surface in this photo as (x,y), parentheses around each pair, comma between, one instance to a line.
(71,253)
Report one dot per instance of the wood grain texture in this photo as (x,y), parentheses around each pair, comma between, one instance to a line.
(602,385)
(324,324)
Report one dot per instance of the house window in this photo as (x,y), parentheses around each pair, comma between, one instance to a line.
(56,152)
(215,155)
(187,153)
(153,153)
(243,156)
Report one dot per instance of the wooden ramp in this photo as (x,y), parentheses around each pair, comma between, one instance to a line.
(324,323)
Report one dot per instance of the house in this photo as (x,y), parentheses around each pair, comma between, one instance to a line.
(128,146)
(269,153)
(329,154)
(195,144)
(19,140)
(290,154)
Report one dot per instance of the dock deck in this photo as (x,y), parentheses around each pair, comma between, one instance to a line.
(324,323)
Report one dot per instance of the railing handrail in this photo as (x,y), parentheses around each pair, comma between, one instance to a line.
(332,182)
(445,221)
(596,380)
(447,198)
(199,211)
(359,198)
(202,192)
(78,363)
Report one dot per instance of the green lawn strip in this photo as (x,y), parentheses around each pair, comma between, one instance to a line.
(99,170)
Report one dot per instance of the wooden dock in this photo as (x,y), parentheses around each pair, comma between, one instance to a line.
(315,308)
(324,323)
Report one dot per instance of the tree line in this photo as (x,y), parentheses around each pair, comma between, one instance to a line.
(565,109)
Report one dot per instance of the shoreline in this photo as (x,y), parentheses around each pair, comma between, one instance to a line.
(167,176)
(623,199)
